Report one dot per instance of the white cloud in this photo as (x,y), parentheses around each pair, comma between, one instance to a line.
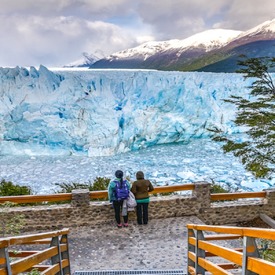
(57,40)
(54,32)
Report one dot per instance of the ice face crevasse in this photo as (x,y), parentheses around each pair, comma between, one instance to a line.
(104,112)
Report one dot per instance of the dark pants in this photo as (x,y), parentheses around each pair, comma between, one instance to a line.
(118,208)
(142,213)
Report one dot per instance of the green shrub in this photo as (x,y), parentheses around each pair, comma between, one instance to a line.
(267,249)
(99,183)
(69,187)
(34,272)
(7,188)
(12,225)
(216,188)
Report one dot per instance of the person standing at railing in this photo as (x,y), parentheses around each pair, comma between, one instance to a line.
(118,192)
(140,189)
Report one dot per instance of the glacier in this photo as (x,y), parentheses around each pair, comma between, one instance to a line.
(71,125)
(101,113)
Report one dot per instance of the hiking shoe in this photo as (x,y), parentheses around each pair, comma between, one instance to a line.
(119,225)
(125,224)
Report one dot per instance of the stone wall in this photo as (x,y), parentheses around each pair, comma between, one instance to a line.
(82,211)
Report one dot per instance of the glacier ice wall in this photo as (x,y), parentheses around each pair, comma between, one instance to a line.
(103,112)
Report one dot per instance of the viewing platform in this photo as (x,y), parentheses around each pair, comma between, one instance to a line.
(159,245)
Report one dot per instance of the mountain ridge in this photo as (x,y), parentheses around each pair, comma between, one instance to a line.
(214,50)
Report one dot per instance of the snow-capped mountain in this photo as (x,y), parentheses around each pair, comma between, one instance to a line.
(86,60)
(207,40)
(195,52)
(256,42)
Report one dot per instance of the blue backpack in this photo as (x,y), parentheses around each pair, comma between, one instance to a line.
(121,190)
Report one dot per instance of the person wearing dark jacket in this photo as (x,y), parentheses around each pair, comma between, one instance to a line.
(118,204)
(140,189)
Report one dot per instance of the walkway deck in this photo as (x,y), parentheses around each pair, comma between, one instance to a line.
(159,245)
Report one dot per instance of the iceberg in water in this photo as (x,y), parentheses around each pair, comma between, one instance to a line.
(104,112)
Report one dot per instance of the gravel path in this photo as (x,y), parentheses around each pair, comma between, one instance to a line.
(159,245)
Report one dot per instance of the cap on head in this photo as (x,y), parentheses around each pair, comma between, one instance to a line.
(119,174)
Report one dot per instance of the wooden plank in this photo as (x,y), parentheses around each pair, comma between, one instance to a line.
(213,268)
(3,271)
(99,194)
(217,229)
(21,254)
(234,196)
(242,231)
(191,270)
(35,237)
(192,256)
(192,241)
(39,267)
(173,188)
(159,189)
(2,261)
(228,266)
(28,262)
(3,243)
(208,254)
(42,241)
(261,267)
(37,198)
(55,268)
(221,237)
(225,253)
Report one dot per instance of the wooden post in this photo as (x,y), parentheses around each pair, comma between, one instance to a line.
(249,250)
(200,253)
(57,258)
(65,254)
(190,248)
(4,260)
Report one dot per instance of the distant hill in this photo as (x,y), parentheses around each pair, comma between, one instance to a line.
(227,59)
(214,50)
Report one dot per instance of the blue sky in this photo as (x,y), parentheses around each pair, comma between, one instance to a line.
(55,33)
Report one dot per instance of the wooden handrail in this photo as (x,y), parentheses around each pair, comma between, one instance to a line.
(37,198)
(56,254)
(234,196)
(246,258)
(242,231)
(33,237)
(173,188)
(103,194)
(158,189)
(93,195)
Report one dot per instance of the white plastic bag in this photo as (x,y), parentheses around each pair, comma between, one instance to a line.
(124,208)
(131,201)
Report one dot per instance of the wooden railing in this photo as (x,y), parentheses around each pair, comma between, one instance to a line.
(235,196)
(104,195)
(93,195)
(246,259)
(56,254)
